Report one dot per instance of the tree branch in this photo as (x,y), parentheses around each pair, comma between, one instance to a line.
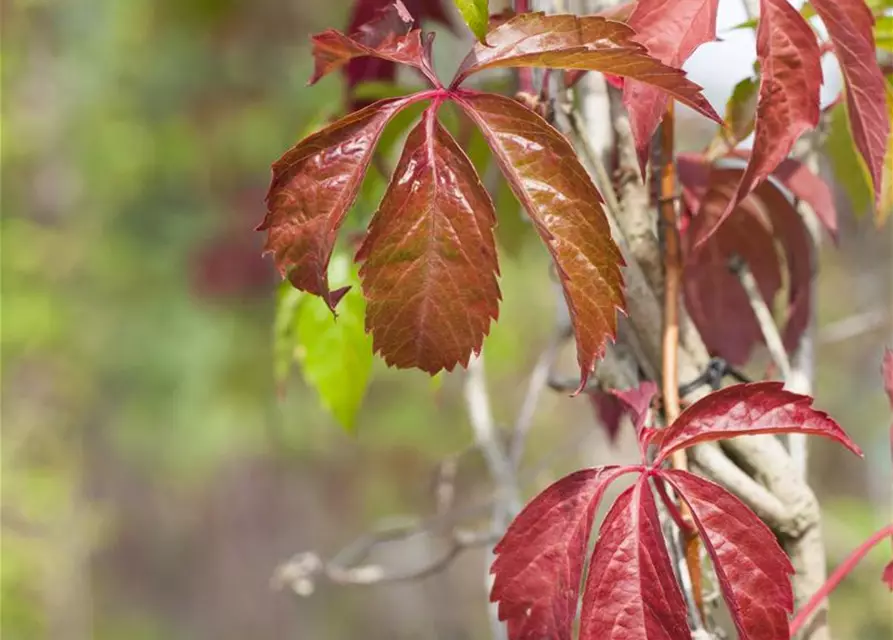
(302,572)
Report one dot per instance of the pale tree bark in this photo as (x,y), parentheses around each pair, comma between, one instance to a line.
(759,469)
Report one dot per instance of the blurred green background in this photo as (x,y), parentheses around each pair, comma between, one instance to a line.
(154,471)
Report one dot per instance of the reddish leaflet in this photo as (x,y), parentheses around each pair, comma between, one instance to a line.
(429,264)
(371,69)
(716,301)
(630,592)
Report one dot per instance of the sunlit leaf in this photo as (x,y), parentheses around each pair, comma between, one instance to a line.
(588,43)
(429,259)
(558,195)
(312,189)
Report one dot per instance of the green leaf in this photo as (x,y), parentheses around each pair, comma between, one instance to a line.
(335,354)
(476,14)
(285,331)
(849,169)
(883,33)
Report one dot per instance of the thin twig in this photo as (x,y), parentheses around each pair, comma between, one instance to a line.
(507,502)
(477,402)
(853,326)
(539,379)
(839,574)
(672,257)
(302,572)
(763,315)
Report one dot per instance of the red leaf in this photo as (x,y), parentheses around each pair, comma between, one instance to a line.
(611,406)
(555,190)
(429,271)
(887,575)
(313,186)
(788,105)
(850,25)
(631,591)
(748,409)
(811,189)
(609,411)
(367,69)
(385,37)
(589,43)
(752,569)
(790,231)
(637,401)
(539,561)
(671,30)
(717,302)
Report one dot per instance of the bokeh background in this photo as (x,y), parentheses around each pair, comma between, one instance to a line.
(154,471)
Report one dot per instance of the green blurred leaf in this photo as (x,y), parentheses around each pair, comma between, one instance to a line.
(380,90)
(849,170)
(476,14)
(285,330)
(740,117)
(883,33)
(335,354)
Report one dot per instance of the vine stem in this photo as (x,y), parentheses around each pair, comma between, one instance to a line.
(525,74)
(839,574)
(672,257)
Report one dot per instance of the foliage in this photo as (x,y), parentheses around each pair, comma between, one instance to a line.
(631,591)
(429,270)
(414,320)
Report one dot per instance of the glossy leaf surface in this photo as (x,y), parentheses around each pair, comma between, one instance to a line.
(313,186)
(752,569)
(631,591)
(749,409)
(539,561)
(788,102)
(558,195)
(429,258)
(588,43)
(671,30)
(850,25)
